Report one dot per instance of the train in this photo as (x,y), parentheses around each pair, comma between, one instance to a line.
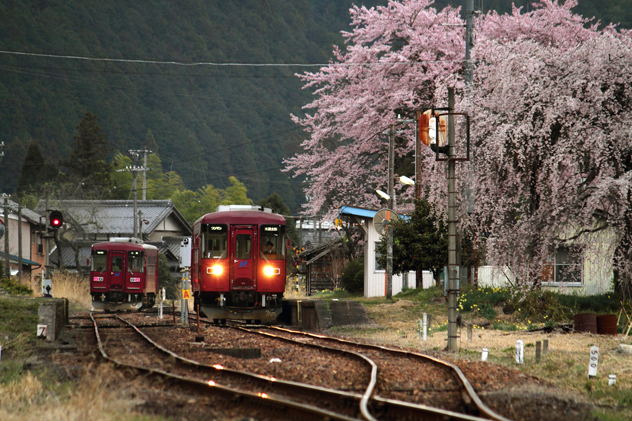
(123,275)
(238,267)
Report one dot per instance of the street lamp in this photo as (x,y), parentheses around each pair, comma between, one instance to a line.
(383,195)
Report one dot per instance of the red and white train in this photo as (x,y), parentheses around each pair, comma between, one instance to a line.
(238,264)
(123,275)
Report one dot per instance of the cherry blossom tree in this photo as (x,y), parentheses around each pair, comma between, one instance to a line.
(551,112)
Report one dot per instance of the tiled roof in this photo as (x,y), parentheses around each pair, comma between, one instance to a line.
(116,216)
(28,214)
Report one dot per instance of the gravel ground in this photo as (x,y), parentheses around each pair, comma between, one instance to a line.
(509,392)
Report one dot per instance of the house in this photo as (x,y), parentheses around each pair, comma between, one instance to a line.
(25,229)
(579,268)
(374,274)
(90,221)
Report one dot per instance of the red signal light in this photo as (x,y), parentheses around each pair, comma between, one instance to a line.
(56,219)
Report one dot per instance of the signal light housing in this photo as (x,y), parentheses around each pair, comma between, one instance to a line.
(56,219)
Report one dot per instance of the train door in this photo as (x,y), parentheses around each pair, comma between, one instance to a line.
(117,272)
(243,259)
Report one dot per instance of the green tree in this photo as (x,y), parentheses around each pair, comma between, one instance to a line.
(236,193)
(87,163)
(419,243)
(36,171)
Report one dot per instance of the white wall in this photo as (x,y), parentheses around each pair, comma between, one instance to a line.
(375,280)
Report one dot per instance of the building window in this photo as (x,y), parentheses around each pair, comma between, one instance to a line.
(567,268)
(40,246)
(378,266)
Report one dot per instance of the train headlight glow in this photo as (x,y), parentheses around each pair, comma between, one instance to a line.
(269,271)
(215,270)
(211,383)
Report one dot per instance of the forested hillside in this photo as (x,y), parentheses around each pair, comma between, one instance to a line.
(208,121)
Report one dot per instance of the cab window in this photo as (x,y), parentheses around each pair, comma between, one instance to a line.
(214,241)
(117,263)
(272,244)
(99,260)
(135,261)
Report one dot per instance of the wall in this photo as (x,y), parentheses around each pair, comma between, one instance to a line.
(374,279)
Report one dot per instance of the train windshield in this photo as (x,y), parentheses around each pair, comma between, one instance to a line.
(135,261)
(99,260)
(214,240)
(272,244)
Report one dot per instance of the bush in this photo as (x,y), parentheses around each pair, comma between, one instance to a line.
(352,278)
(13,287)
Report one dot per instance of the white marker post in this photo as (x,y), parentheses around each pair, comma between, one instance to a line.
(594,359)
(424,324)
(162,300)
(519,351)
(484,354)
(0,353)
(612,380)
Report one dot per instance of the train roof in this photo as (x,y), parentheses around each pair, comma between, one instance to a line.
(122,246)
(241,217)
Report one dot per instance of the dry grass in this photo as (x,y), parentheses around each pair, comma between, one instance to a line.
(102,394)
(74,287)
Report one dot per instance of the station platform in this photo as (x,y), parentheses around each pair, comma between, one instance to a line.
(321,315)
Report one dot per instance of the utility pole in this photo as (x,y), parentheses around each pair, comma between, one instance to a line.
(452,221)
(19,242)
(469,40)
(391,203)
(135,170)
(7,268)
(136,154)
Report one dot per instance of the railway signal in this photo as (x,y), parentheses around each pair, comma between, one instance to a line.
(56,219)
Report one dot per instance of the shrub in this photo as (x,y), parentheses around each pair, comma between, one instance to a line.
(13,287)
(352,278)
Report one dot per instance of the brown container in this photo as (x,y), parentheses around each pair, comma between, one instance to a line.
(607,324)
(586,322)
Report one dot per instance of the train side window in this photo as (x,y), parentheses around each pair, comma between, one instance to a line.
(242,246)
(117,263)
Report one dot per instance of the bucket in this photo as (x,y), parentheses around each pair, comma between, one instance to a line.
(607,324)
(586,322)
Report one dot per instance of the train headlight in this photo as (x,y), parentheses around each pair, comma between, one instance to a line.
(134,279)
(215,270)
(98,279)
(269,271)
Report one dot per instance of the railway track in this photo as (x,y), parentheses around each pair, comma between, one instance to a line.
(254,388)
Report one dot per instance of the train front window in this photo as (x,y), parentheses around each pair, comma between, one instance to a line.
(99,260)
(242,246)
(135,261)
(117,263)
(214,241)
(272,244)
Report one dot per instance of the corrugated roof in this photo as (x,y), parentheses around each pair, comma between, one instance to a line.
(365,213)
(116,216)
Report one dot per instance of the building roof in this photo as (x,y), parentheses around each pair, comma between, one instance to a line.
(116,216)
(27,213)
(15,259)
(364,213)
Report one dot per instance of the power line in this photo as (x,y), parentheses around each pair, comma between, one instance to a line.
(209,63)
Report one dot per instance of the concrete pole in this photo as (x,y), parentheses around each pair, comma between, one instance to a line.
(145,171)
(46,273)
(452,221)
(469,39)
(417,159)
(135,202)
(7,267)
(20,242)
(391,202)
